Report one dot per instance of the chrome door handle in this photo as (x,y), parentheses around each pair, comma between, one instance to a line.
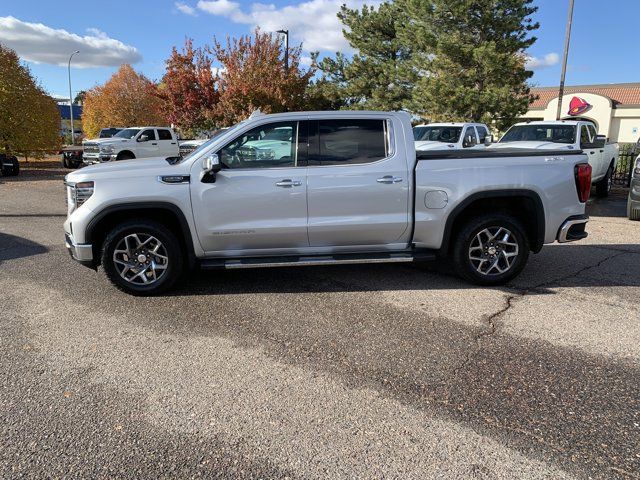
(287,182)
(389,179)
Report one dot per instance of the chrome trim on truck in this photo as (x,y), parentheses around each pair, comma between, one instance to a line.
(79,252)
(564,234)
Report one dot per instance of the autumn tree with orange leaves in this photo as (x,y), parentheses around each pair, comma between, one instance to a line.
(253,76)
(189,90)
(127,99)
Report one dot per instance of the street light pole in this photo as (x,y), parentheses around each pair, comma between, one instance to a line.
(73,140)
(564,59)
(286,48)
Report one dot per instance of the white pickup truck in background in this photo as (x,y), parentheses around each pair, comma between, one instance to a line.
(130,143)
(568,135)
(443,136)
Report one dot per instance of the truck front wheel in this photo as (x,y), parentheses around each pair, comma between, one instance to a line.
(142,257)
(490,249)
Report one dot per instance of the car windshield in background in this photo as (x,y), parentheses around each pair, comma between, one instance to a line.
(127,133)
(540,133)
(437,134)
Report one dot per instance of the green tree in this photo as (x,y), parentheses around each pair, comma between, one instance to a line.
(469,58)
(29,118)
(377,77)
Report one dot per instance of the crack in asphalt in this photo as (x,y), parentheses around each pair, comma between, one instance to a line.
(491,322)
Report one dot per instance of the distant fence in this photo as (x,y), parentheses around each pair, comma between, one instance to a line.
(628,154)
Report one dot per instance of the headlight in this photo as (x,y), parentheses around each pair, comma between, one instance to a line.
(78,193)
(106,149)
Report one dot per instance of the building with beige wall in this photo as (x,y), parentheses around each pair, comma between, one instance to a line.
(614,108)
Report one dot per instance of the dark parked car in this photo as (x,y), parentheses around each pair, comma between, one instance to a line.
(9,166)
(108,132)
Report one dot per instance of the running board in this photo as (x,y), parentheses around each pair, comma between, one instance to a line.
(309,260)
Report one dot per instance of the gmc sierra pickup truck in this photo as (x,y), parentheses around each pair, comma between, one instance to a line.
(568,135)
(350,188)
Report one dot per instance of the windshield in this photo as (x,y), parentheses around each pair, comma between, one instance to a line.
(206,144)
(444,134)
(540,133)
(127,133)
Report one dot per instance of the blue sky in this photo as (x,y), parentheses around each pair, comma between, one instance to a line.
(602,45)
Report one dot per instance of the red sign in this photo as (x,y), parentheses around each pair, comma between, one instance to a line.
(578,106)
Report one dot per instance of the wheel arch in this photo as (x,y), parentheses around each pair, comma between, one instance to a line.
(523,204)
(165,213)
(125,152)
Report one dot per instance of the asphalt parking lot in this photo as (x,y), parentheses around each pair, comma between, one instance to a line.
(373,371)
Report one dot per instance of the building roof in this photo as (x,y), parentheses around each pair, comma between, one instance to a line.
(65,115)
(622,94)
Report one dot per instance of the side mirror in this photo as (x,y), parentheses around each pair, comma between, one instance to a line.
(143,138)
(210,166)
(488,140)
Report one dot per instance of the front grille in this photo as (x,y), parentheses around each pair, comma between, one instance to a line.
(247,153)
(186,150)
(91,148)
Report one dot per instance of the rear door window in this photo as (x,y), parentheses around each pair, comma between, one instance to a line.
(349,142)
(164,134)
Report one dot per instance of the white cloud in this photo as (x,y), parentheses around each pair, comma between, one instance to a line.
(312,22)
(536,63)
(186,9)
(39,43)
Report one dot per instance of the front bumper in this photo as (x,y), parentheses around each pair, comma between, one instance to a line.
(98,158)
(573,229)
(82,253)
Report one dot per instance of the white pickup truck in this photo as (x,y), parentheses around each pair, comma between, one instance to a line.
(568,135)
(442,136)
(350,188)
(130,143)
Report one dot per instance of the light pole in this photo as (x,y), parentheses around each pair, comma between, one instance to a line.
(73,139)
(286,48)
(564,59)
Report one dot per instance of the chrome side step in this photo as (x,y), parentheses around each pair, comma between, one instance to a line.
(309,260)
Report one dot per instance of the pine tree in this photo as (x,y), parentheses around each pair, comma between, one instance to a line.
(376,77)
(469,58)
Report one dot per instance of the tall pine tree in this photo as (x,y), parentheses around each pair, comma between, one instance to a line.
(469,57)
(376,77)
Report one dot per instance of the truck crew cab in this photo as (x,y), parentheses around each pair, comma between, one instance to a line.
(348,188)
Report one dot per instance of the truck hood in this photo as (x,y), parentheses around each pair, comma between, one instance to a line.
(266,143)
(533,145)
(431,145)
(107,141)
(130,168)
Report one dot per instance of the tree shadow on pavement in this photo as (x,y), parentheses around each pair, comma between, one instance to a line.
(12,247)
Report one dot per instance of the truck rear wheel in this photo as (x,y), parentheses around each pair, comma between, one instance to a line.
(490,249)
(603,187)
(142,257)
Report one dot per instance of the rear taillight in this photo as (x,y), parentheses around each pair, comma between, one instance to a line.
(583,181)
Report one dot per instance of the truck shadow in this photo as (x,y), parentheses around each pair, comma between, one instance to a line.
(12,247)
(557,266)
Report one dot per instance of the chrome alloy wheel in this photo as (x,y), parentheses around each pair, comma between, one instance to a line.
(140,259)
(493,251)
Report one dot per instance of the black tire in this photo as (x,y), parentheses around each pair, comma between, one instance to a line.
(65,162)
(125,156)
(603,187)
(143,229)
(466,242)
